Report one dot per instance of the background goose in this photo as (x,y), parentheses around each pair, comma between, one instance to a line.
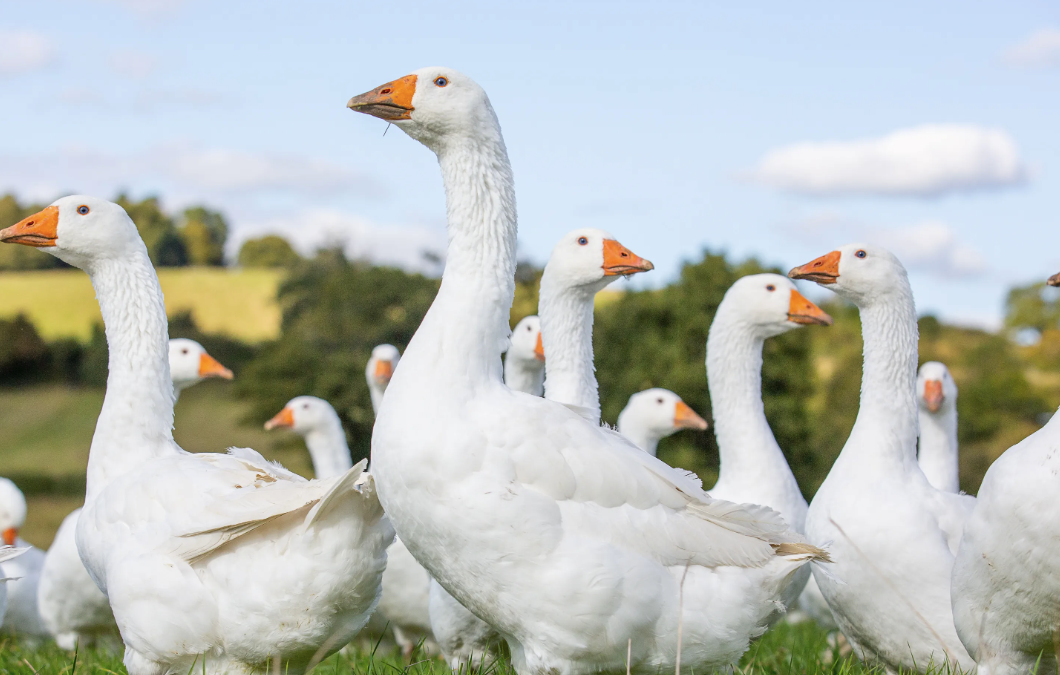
(524,362)
(937,406)
(7,554)
(561,534)
(380,369)
(403,603)
(22,617)
(192,549)
(753,469)
(892,534)
(653,414)
(71,607)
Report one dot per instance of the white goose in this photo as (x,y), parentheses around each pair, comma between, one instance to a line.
(566,537)
(581,264)
(202,556)
(380,369)
(524,363)
(937,405)
(7,553)
(1006,578)
(892,534)
(653,414)
(753,469)
(21,617)
(71,606)
(403,603)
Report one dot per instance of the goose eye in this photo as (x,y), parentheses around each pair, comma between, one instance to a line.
(582,241)
(771,288)
(861,254)
(184,351)
(441,82)
(305,406)
(83,210)
(659,401)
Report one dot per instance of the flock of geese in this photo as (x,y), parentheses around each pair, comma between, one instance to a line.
(519,516)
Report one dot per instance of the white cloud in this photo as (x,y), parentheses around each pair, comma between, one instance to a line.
(399,245)
(931,246)
(921,161)
(24,51)
(134,64)
(1039,49)
(235,170)
(148,7)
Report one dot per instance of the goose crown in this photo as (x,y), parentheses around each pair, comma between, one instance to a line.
(381,365)
(305,414)
(935,389)
(661,412)
(189,363)
(12,507)
(526,340)
(769,305)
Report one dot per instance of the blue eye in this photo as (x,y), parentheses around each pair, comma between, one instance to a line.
(583,241)
(441,81)
(83,210)
(861,254)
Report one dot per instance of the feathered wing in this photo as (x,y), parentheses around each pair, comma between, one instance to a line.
(604,482)
(952,512)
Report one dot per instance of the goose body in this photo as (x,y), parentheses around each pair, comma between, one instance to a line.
(7,555)
(936,395)
(72,608)
(652,415)
(893,536)
(753,467)
(204,557)
(563,535)
(22,616)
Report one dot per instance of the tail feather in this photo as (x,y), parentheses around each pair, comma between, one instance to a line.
(794,548)
(350,482)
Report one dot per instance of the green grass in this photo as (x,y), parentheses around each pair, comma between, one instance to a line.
(238,303)
(786,650)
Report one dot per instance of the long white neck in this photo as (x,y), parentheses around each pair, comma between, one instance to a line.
(746,444)
(567,336)
(525,375)
(888,383)
(639,433)
(464,333)
(376,392)
(937,452)
(136,422)
(328,450)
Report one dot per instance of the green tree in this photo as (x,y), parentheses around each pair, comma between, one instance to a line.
(23,354)
(204,233)
(164,243)
(21,257)
(268,251)
(1035,306)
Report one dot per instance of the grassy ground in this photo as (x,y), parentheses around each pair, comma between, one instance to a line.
(237,303)
(785,650)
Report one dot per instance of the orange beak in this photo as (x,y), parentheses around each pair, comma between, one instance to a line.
(801,310)
(39,230)
(391,101)
(539,348)
(824,270)
(1053,280)
(686,418)
(211,367)
(10,536)
(933,395)
(283,419)
(384,370)
(620,261)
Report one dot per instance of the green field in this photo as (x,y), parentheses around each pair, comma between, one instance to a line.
(237,303)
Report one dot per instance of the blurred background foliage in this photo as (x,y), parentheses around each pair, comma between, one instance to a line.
(335,310)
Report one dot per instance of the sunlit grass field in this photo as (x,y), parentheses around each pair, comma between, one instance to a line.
(785,650)
(240,303)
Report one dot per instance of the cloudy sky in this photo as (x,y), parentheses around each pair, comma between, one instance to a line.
(771,129)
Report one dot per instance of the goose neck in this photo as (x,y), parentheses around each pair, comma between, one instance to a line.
(639,433)
(527,376)
(136,422)
(937,451)
(567,337)
(328,450)
(734,378)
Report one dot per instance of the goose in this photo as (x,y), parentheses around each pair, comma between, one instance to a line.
(403,603)
(753,469)
(582,263)
(524,363)
(7,553)
(571,541)
(893,536)
(1006,578)
(21,617)
(72,608)
(937,408)
(380,369)
(202,556)
(653,414)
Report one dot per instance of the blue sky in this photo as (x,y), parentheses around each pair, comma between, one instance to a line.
(779,130)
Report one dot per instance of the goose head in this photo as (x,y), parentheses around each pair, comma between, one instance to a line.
(12,511)
(590,259)
(770,304)
(303,415)
(861,273)
(935,388)
(660,413)
(433,105)
(79,230)
(381,365)
(526,342)
(190,364)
